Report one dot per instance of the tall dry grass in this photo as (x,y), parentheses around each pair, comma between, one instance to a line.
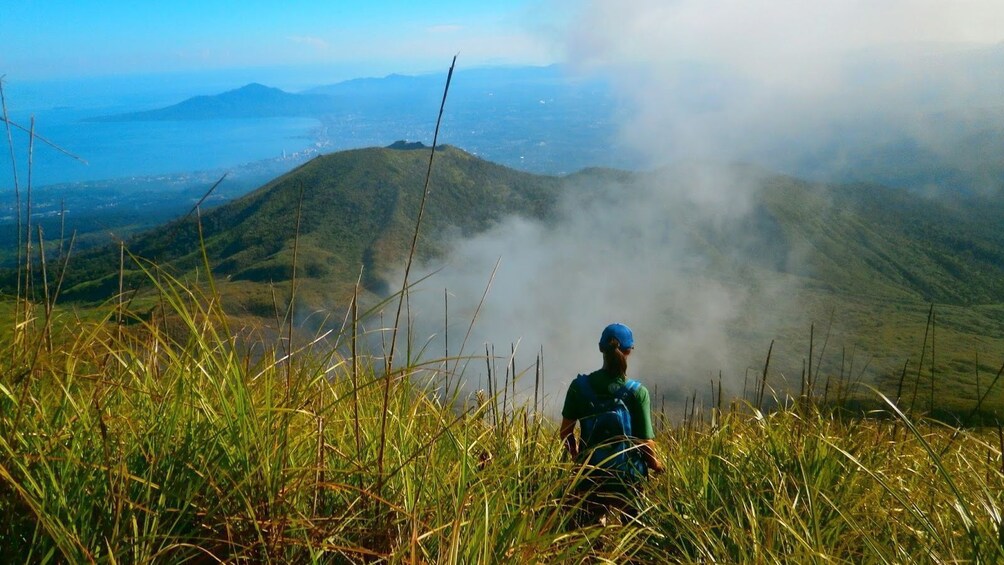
(167,441)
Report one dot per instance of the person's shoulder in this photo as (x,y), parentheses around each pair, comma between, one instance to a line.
(576,383)
(591,378)
(638,388)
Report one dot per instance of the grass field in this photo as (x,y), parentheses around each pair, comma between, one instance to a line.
(164,439)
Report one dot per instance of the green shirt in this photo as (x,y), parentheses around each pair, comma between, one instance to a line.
(577,407)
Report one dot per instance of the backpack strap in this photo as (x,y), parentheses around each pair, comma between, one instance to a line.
(627,389)
(630,387)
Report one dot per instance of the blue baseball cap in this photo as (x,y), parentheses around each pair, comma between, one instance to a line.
(620,332)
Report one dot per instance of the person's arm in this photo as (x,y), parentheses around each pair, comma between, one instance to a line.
(567,434)
(570,413)
(646,432)
(647,448)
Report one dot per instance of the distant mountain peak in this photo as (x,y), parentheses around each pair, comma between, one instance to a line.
(404,145)
(253,86)
(255,89)
(253,100)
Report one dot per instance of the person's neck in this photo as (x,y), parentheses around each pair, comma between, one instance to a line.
(606,367)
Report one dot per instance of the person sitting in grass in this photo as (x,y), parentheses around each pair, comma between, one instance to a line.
(616,438)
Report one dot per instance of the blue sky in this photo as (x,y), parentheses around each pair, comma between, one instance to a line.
(797,47)
(61,39)
(69,39)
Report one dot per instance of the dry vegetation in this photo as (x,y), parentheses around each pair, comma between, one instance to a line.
(127,443)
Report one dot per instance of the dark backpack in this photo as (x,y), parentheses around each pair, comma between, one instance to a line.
(606,431)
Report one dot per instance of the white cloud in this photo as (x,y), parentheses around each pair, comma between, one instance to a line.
(623,251)
(728,78)
(765,36)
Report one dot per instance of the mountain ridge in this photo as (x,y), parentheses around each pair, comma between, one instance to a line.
(261,101)
(250,240)
(359,207)
(253,100)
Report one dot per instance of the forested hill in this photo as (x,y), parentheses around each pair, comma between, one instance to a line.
(357,209)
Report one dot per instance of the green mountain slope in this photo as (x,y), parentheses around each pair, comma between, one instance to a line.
(358,210)
(873,240)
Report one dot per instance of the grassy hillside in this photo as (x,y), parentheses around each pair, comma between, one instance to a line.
(880,241)
(358,209)
(143,443)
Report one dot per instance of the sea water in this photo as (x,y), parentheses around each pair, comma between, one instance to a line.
(106,150)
